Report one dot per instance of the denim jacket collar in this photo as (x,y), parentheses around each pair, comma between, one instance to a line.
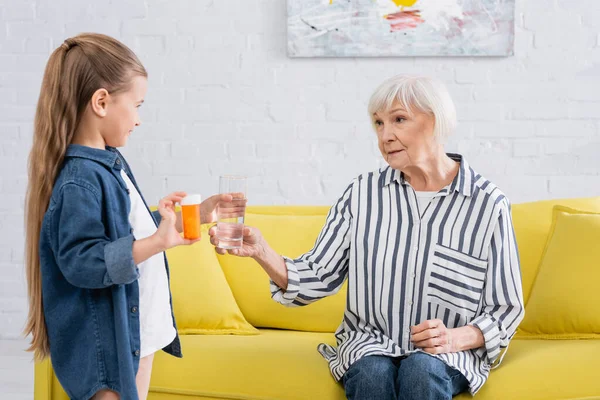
(108,157)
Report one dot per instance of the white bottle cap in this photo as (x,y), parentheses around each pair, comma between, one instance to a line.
(191,199)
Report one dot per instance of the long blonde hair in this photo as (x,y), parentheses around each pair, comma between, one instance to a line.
(75,70)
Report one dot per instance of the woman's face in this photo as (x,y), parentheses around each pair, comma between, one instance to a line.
(404,139)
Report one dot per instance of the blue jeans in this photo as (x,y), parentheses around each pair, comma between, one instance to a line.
(418,376)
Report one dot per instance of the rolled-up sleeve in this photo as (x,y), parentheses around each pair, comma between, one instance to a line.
(503,307)
(84,253)
(322,271)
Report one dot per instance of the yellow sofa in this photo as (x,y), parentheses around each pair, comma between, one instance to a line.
(281,362)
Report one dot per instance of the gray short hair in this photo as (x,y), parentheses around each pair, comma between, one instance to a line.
(422,93)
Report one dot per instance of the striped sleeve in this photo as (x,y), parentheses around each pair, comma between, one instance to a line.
(503,307)
(321,271)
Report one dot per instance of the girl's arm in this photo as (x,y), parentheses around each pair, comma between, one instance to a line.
(85,254)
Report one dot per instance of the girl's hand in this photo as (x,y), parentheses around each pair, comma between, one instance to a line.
(167,234)
(208,208)
(252,245)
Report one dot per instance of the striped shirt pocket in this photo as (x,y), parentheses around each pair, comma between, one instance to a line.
(456,280)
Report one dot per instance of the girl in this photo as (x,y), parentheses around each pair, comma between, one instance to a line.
(98,280)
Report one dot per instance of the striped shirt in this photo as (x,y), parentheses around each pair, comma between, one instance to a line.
(456,261)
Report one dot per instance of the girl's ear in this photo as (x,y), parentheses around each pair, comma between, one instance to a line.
(99,102)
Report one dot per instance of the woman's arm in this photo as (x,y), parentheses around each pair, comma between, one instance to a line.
(273,264)
(503,304)
(318,273)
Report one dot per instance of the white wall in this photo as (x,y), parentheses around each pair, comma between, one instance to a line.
(224,98)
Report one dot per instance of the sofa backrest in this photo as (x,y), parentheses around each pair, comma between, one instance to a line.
(292,230)
(532,224)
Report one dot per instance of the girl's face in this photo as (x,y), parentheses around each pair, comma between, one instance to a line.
(122,113)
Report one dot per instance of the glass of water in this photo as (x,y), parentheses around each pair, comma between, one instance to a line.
(230,215)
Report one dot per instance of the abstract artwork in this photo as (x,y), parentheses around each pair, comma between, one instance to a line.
(356,28)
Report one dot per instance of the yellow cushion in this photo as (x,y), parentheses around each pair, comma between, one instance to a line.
(291,231)
(273,365)
(532,223)
(202,300)
(565,296)
(545,369)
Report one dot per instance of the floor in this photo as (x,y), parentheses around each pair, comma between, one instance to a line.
(16,371)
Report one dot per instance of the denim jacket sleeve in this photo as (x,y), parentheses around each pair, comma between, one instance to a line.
(156,215)
(84,253)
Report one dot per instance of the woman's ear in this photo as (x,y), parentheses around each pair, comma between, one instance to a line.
(99,102)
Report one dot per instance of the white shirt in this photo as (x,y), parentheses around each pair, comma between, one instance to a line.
(423,200)
(156,321)
(457,262)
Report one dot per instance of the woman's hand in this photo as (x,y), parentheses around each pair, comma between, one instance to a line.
(252,244)
(255,246)
(433,337)
(168,235)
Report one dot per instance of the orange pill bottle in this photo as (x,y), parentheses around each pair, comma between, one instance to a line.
(190,216)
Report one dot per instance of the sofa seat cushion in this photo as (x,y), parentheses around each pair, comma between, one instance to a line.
(273,365)
(285,365)
(545,369)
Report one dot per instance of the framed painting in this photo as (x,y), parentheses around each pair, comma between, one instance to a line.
(375,28)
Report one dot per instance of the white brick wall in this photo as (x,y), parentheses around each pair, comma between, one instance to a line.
(224,98)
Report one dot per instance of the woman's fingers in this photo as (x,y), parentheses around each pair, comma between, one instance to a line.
(251,235)
(214,241)
(429,324)
(433,342)
(212,233)
(427,334)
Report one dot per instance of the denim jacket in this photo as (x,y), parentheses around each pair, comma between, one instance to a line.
(89,279)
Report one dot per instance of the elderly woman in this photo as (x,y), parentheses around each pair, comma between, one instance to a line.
(428,248)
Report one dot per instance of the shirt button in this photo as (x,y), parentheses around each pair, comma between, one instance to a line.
(137,353)
(118,161)
(134,309)
(416,248)
(410,303)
